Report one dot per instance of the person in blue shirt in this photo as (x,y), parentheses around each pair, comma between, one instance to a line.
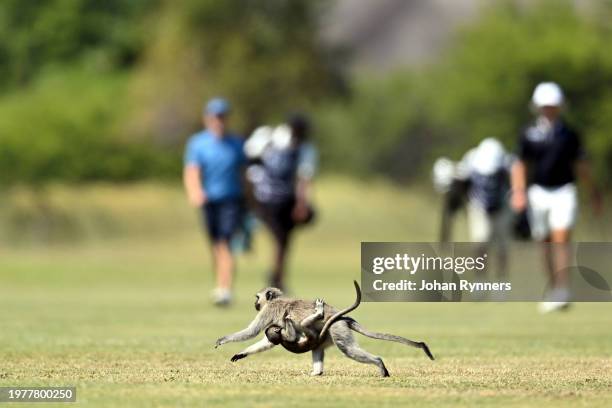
(212,178)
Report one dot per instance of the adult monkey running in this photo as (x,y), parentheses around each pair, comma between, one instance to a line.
(543,181)
(273,308)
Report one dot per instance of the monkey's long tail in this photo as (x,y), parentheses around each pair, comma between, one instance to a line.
(389,337)
(341,313)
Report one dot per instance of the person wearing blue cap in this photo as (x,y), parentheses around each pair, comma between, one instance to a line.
(212,178)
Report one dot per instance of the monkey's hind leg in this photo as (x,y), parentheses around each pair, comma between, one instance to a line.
(318,355)
(347,344)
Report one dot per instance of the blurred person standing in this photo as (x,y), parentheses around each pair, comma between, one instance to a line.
(486,169)
(284,165)
(550,153)
(212,177)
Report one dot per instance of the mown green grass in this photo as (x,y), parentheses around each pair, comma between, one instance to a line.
(126,317)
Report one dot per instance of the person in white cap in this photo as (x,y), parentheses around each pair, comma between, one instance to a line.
(487,171)
(550,154)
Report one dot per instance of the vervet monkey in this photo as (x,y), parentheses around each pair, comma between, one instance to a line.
(273,308)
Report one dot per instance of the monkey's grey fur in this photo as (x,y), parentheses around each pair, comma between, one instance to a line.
(297,337)
(273,308)
(303,336)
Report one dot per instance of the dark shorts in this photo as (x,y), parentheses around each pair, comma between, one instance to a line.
(278,219)
(223,218)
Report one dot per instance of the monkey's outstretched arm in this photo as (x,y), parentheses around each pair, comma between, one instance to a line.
(262,345)
(252,330)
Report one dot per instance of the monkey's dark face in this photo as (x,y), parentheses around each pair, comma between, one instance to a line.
(273,333)
(265,296)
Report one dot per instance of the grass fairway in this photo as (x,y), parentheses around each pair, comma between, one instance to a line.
(128,321)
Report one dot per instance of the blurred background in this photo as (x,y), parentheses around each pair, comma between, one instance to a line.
(107,92)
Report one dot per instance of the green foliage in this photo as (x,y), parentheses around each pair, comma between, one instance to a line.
(111,89)
(63,76)
(375,130)
(34,34)
(484,86)
(63,129)
(264,56)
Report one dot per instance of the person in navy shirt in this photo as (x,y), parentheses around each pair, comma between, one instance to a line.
(212,177)
(550,157)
